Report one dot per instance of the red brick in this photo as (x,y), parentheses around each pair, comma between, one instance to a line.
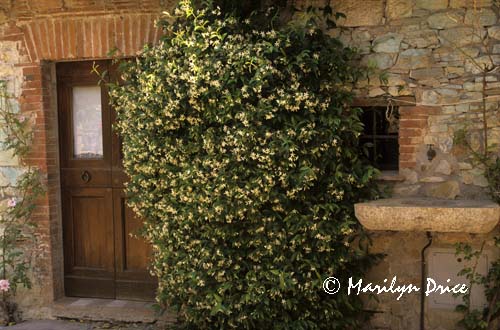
(408,149)
(32,84)
(413,123)
(406,157)
(417,111)
(407,164)
(406,140)
(30,45)
(70,40)
(410,132)
(103,40)
(79,44)
(108,36)
(87,39)
(127,36)
(12,29)
(95,37)
(32,70)
(58,39)
(119,35)
(147,29)
(31,98)
(44,39)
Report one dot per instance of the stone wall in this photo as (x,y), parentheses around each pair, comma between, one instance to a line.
(426,50)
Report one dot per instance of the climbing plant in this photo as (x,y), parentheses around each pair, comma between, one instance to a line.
(485,156)
(242,152)
(485,318)
(17,230)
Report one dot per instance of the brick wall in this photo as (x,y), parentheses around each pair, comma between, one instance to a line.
(37,34)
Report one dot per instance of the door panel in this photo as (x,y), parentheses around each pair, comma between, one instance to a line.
(88,229)
(133,280)
(101,258)
(89,243)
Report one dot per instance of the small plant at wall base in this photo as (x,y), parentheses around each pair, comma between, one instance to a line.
(243,158)
(17,231)
(487,318)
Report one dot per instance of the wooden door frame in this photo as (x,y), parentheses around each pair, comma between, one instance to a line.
(54,181)
(55,269)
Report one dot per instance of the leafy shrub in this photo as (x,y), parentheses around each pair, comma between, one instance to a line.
(243,156)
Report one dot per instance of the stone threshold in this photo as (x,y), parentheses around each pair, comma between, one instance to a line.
(109,310)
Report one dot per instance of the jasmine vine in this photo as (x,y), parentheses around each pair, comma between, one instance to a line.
(243,157)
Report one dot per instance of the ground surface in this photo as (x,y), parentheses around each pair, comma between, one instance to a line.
(77,325)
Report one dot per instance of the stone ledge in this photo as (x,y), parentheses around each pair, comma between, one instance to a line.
(392,176)
(93,309)
(425,214)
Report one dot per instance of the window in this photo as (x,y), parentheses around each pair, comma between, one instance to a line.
(381,136)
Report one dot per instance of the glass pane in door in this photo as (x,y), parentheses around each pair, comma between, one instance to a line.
(87,123)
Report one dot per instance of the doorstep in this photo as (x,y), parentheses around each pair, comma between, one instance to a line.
(94,309)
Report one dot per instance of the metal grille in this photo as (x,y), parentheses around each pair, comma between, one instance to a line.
(380,136)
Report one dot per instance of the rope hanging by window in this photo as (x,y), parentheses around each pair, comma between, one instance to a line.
(392,118)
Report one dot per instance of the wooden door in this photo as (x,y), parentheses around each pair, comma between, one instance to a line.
(101,258)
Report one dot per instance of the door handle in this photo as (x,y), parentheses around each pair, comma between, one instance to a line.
(86,177)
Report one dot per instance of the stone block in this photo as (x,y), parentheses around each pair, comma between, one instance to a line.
(406,190)
(445,190)
(387,43)
(482,17)
(478,178)
(494,32)
(430,97)
(454,71)
(445,20)
(470,3)
(432,179)
(9,175)
(450,54)
(461,36)
(395,80)
(426,73)
(394,91)
(411,177)
(448,95)
(473,86)
(414,59)
(8,159)
(360,13)
(467,177)
(396,9)
(431,4)
(374,92)
(446,144)
(421,38)
(380,60)
(360,36)
(443,167)
(464,166)
(477,65)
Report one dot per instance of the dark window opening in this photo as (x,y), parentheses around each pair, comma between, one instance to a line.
(380,136)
